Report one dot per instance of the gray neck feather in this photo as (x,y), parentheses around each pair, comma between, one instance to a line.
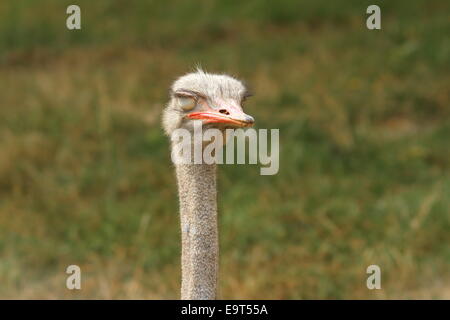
(199,235)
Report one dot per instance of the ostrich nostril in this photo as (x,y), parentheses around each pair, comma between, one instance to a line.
(224,111)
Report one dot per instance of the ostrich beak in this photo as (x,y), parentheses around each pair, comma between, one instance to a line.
(231,116)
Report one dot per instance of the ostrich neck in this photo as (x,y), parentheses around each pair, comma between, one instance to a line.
(199,235)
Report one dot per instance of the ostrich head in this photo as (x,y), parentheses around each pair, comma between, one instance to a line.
(214,99)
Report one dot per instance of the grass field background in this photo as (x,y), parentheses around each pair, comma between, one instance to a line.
(364,119)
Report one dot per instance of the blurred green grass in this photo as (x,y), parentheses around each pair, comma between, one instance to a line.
(364,118)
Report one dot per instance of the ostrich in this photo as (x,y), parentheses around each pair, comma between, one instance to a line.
(216,101)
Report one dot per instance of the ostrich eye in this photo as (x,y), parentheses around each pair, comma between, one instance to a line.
(187,103)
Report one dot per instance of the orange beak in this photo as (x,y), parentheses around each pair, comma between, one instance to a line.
(235,118)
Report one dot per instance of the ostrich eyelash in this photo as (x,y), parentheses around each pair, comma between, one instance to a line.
(188,94)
